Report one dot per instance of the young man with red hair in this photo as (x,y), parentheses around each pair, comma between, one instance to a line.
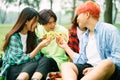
(99,57)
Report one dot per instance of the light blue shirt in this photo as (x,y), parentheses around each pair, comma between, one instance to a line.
(108,44)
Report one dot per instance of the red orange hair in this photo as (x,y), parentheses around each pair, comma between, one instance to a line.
(89,6)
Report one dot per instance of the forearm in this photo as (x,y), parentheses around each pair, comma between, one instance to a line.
(35,51)
(69,51)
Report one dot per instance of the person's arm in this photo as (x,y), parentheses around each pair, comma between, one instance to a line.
(114,42)
(14,53)
(63,44)
(42,44)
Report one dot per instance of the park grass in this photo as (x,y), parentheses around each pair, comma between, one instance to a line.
(4,28)
(117,25)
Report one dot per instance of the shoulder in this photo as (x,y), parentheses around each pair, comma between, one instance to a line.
(108,31)
(106,27)
(15,36)
(109,28)
(40,30)
(40,27)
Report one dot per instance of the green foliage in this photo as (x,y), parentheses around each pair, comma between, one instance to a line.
(32,3)
(2,16)
(4,28)
(117,25)
(10,1)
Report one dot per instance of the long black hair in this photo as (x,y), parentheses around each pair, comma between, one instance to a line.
(26,15)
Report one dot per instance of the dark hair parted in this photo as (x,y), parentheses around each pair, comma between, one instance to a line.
(26,15)
(45,15)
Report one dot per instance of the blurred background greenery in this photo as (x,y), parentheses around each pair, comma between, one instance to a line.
(64,9)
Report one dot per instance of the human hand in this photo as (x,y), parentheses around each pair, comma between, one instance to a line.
(50,34)
(61,41)
(87,70)
(45,42)
(53,35)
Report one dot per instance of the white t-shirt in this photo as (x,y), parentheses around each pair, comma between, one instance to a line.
(92,51)
(79,34)
(23,40)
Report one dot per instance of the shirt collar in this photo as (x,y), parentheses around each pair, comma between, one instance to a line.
(97,27)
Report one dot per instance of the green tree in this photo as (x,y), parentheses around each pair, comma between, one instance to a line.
(32,3)
(3,16)
(108,11)
(73,11)
(51,3)
(115,10)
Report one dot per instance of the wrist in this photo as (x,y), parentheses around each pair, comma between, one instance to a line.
(66,47)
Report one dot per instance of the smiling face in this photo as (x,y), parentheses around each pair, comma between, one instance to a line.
(50,26)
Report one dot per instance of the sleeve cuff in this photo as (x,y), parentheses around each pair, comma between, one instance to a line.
(75,57)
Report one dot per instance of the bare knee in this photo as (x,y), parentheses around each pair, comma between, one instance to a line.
(37,75)
(108,64)
(23,76)
(67,65)
(70,68)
